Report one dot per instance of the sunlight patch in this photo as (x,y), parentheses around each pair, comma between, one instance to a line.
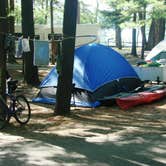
(160,159)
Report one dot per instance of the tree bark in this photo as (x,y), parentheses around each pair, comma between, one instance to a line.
(52,18)
(53,43)
(134,46)
(46,8)
(78,13)
(64,89)
(11,51)
(3,32)
(11,17)
(118,36)
(30,71)
(156,33)
(142,16)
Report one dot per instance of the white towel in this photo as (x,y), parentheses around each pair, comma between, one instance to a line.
(25,45)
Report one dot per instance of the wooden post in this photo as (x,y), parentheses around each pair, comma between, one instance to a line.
(3,33)
(64,89)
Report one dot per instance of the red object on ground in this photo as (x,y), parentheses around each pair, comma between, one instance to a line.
(140,98)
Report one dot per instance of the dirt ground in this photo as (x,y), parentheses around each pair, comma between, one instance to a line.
(104,136)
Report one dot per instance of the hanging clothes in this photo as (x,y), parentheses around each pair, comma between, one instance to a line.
(19,49)
(41,53)
(25,45)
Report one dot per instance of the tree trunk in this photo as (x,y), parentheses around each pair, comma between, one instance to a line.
(142,16)
(156,33)
(3,32)
(52,18)
(134,46)
(78,13)
(30,71)
(11,17)
(143,41)
(46,8)
(97,11)
(118,36)
(53,43)
(11,51)
(64,89)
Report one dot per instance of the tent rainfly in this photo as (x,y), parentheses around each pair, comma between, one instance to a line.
(158,52)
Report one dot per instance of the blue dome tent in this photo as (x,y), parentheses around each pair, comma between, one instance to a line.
(99,72)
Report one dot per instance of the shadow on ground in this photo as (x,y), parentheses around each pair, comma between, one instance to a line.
(104,136)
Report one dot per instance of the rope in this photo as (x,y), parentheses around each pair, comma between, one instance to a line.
(72,37)
(91,36)
(80,36)
(94,38)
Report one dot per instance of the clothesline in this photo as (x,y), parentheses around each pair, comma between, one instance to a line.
(66,38)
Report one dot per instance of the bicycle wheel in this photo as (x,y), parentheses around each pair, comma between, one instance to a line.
(22,110)
(9,103)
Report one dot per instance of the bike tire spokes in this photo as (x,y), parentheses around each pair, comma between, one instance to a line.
(22,109)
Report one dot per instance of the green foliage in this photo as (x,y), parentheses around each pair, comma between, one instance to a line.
(41,11)
(121,12)
(17,14)
(158,9)
(115,15)
(40,16)
(86,15)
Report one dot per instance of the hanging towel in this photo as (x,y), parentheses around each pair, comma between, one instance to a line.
(19,48)
(41,53)
(25,45)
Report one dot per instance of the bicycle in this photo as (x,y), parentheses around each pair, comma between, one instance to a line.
(16,106)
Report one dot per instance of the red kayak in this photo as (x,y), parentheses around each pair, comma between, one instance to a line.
(140,98)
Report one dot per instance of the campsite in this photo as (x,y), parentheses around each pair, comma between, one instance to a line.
(82,83)
(103,133)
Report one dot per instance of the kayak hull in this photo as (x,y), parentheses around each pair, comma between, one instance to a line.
(140,98)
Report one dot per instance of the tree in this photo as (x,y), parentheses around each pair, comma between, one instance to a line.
(142,17)
(134,47)
(113,18)
(41,11)
(30,71)
(11,20)
(87,16)
(156,33)
(157,27)
(11,16)
(64,88)
(17,12)
(78,13)
(149,11)
(3,32)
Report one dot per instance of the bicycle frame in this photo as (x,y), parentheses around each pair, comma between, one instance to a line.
(11,107)
(16,106)
(9,110)
(3,105)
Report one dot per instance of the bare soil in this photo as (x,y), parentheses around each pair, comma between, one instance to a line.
(104,136)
